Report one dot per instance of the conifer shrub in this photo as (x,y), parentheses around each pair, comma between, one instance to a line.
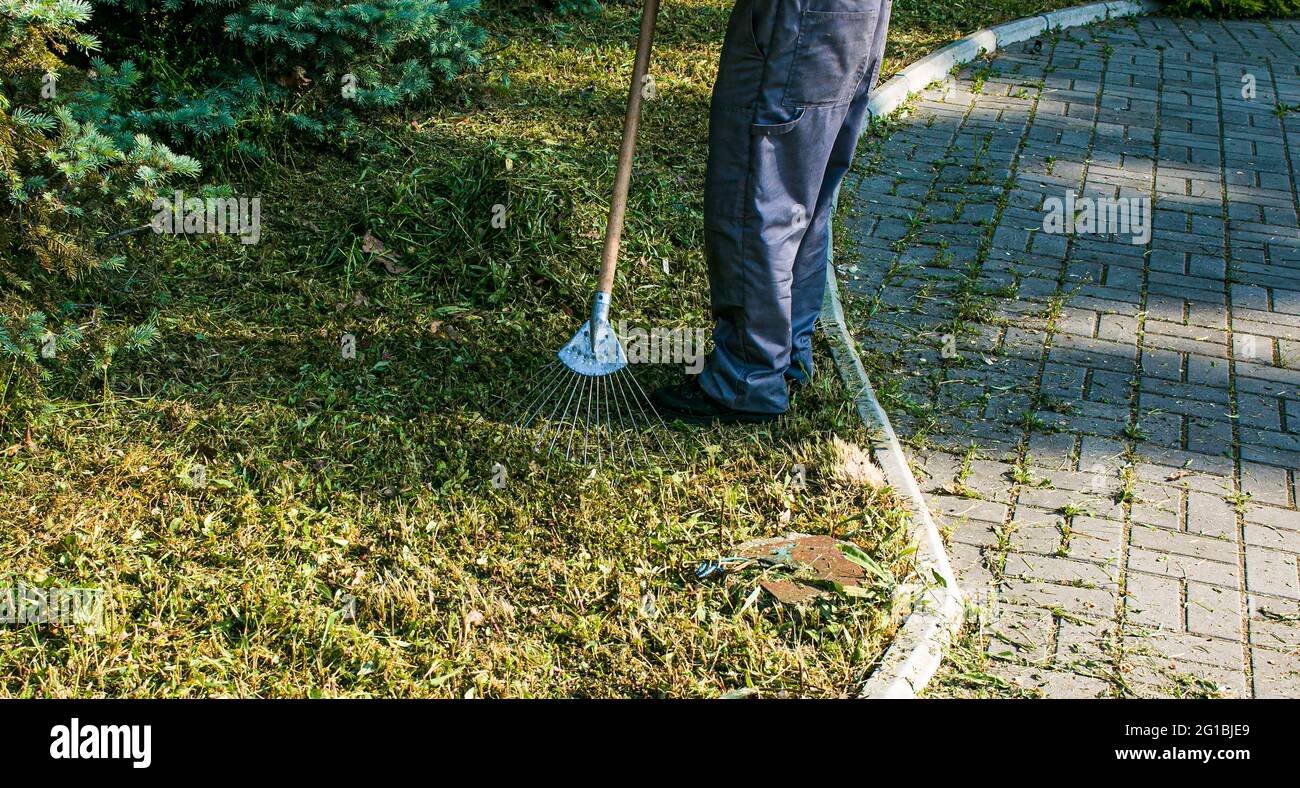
(58,170)
(64,183)
(234,77)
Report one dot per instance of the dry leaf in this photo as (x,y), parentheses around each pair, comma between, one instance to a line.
(391,265)
(372,245)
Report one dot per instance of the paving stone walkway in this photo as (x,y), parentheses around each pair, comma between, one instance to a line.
(1106,423)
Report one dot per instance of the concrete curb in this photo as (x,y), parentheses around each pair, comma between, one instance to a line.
(936,65)
(938,610)
(913,658)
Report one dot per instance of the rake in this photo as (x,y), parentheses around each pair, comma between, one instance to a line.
(587,401)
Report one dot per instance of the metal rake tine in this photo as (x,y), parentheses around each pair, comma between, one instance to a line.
(557,381)
(551,418)
(577,416)
(575,382)
(588,425)
(577,408)
(619,409)
(617,418)
(536,393)
(662,423)
(595,425)
(611,407)
(636,437)
(545,423)
(579,428)
(672,437)
(586,428)
(548,372)
(578,384)
(641,424)
(556,395)
(548,376)
(613,412)
(649,427)
(622,431)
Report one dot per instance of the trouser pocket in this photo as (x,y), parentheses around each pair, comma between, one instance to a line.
(726,176)
(831,56)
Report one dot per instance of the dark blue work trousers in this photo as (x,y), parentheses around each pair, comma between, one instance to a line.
(788,106)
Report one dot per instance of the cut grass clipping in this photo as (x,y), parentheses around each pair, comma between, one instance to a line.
(268,516)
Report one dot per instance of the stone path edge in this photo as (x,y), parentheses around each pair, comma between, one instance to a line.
(919,647)
(938,610)
(936,65)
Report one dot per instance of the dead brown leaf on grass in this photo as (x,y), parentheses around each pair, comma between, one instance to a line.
(372,245)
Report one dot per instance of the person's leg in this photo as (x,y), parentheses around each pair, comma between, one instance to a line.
(787,81)
(810,263)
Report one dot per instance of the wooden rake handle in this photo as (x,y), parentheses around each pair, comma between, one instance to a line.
(623,176)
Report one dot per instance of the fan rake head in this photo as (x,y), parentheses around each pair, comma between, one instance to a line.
(595,350)
(588,404)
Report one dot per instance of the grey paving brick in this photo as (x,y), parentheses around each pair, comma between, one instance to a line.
(1057,683)
(1276,674)
(1275,623)
(1084,644)
(1154,601)
(1271,536)
(1079,601)
(1188,544)
(1212,610)
(1266,483)
(1094,539)
(1184,567)
(1059,570)
(1273,518)
(973,575)
(1026,633)
(1271,572)
(1183,647)
(1211,515)
(1175,679)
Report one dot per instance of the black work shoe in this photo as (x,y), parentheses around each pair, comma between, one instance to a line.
(687,402)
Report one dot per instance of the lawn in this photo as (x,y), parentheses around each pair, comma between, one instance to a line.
(268,517)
